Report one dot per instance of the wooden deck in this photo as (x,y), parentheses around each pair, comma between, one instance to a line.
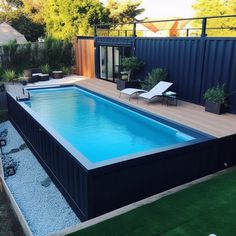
(16,90)
(188,114)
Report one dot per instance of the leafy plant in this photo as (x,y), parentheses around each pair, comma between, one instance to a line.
(9,75)
(154,77)
(66,70)
(10,52)
(54,52)
(46,69)
(131,64)
(216,94)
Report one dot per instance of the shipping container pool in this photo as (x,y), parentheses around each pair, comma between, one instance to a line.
(103,154)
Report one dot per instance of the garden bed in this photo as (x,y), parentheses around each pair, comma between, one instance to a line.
(44,208)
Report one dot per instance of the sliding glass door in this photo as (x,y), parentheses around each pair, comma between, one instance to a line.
(110,61)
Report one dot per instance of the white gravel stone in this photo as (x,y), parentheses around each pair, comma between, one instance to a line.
(44,208)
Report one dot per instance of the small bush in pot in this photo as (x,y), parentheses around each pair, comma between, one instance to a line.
(131,64)
(46,69)
(215,99)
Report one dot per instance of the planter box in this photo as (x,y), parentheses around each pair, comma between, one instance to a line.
(122,84)
(216,108)
(57,74)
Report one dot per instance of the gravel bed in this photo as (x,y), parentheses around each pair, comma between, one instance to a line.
(44,208)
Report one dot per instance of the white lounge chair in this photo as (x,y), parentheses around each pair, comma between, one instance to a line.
(158,89)
(131,91)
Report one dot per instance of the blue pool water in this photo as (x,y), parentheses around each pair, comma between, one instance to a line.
(98,128)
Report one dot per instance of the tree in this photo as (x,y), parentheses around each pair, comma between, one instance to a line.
(34,9)
(30,29)
(15,3)
(217,8)
(123,12)
(28,18)
(6,11)
(68,18)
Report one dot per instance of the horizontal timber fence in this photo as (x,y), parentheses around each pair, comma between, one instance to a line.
(194,64)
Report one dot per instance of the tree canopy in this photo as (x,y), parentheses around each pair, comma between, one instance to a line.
(26,16)
(30,29)
(15,3)
(217,8)
(123,11)
(65,18)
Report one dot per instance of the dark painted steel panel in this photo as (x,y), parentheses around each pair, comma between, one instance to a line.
(220,67)
(66,172)
(114,41)
(182,58)
(194,64)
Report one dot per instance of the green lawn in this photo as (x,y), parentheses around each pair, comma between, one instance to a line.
(206,208)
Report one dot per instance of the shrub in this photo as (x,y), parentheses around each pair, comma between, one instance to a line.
(131,64)
(53,52)
(46,69)
(216,94)
(154,77)
(10,54)
(9,75)
(66,70)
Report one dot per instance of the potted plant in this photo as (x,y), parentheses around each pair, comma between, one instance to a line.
(46,69)
(215,99)
(129,64)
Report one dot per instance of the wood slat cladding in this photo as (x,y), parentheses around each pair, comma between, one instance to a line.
(84,57)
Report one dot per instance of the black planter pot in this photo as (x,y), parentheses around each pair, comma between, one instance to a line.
(216,108)
(122,84)
(23,82)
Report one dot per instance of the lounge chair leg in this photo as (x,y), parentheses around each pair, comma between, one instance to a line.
(120,95)
(129,97)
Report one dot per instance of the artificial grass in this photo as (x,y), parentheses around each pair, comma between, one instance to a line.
(203,209)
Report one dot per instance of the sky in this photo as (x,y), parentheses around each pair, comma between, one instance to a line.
(166,8)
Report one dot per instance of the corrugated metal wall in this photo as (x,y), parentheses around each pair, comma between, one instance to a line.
(66,172)
(182,58)
(3,100)
(220,67)
(193,64)
(114,40)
